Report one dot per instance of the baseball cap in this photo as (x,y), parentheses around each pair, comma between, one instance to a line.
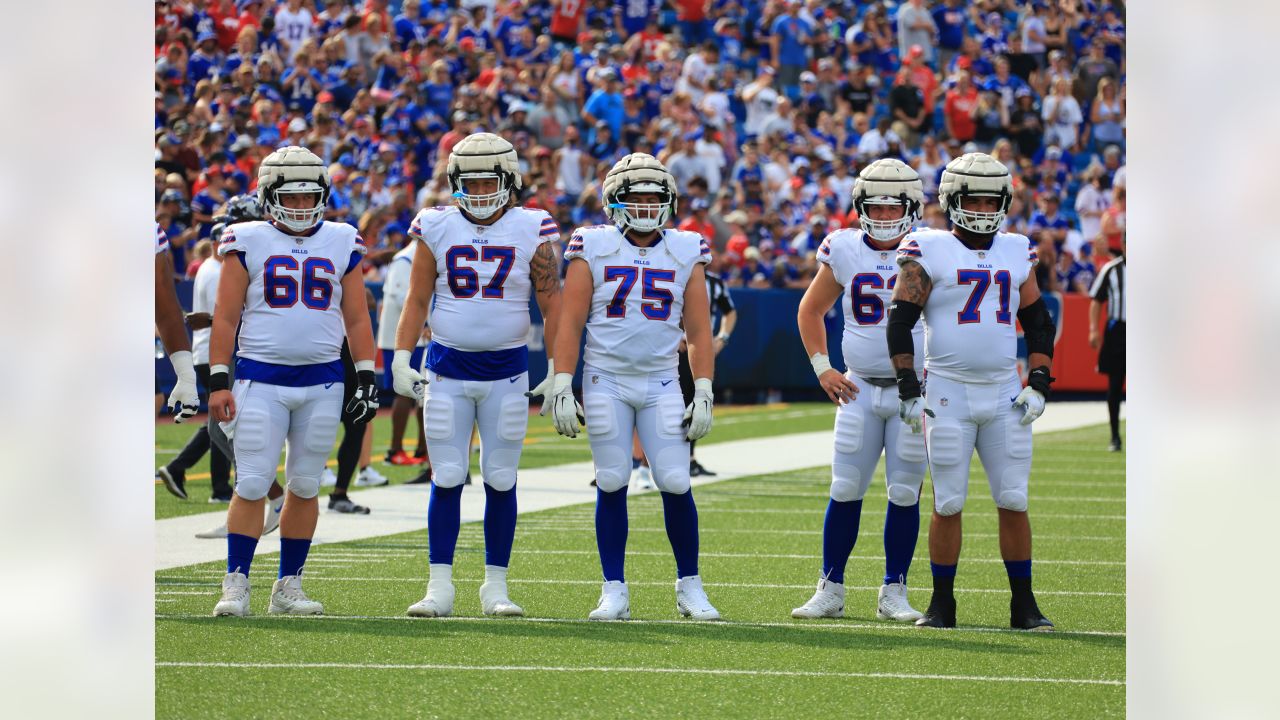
(397,227)
(172,196)
(915,51)
(808,77)
(297,125)
(518,106)
(698,204)
(346,160)
(205,36)
(324,97)
(467,44)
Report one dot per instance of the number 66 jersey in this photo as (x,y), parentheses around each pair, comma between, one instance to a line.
(637,300)
(969,317)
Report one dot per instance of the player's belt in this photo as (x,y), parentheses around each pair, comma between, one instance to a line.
(881,382)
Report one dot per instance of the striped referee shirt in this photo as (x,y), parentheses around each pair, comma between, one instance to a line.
(721,302)
(1109,287)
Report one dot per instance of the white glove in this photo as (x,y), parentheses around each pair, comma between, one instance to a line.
(407,381)
(544,388)
(698,415)
(1032,403)
(184,401)
(912,413)
(566,411)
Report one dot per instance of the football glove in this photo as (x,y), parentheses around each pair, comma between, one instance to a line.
(697,417)
(544,388)
(912,413)
(184,401)
(364,404)
(1032,404)
(566,411)
(404,379)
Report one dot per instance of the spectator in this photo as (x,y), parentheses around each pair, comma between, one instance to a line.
(761,101)
(295,24)
(875,143)
(789,39)
(856,92)
(573,166)
(960,108)
(1107,115)
(929,165)
(907,104)
(991,119)
(1091,202)
(1034,33)
(916,28)
(698,221)
(1025,125)
(1090,71)
(950,20)
(1062,116)
(1112,233)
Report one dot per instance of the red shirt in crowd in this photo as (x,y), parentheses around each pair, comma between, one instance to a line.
(705,229)
(567,17)
(691,10)
(959,110)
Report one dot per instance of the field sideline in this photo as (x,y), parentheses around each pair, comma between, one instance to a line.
(760,553)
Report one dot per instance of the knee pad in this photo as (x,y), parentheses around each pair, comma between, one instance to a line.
(598,409)
(513,418)
(909,446)
(499,468)
(671,469)
(1015,500)
(252,487)
(613,468)
(1012,493)
(904,491)
(322,432)
(848,434)
(1017,438)
(438,415)
(448,467)
(947,506)
(943,441)
(304,487)
(255,472)
(670,420)
(846,483)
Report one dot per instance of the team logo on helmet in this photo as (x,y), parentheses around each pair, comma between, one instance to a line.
(888,182)
(978,175)
(293,170)
(639,173)
(484,156)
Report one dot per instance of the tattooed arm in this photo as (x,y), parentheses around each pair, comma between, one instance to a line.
(544,270)
(912,289)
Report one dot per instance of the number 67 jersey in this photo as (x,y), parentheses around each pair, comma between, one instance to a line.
(969,317)
(637,300)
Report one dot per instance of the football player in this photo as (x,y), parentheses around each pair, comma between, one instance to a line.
(857,267)
(969,284)
(635,285)
(183,401)
(288,283)
(475,267)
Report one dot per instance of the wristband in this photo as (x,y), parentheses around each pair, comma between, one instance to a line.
(908,384)
(1039,379)
(364,366)
(820,362)
(219,378)
(702,385)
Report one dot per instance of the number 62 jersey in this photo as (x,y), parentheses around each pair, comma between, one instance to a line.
(970,334)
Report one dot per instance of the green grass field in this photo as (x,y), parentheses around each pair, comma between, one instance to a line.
(760,556)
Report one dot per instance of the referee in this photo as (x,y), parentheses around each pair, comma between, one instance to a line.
(722,309)
(1109,288)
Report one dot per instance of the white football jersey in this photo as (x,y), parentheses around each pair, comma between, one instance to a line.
(481,300)
(162,240)
(293,306)
(868,275)
(637,303)
(969,317)
(204,295)
(395,290)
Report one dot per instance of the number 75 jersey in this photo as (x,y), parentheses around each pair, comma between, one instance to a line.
(969,317)
(637,300)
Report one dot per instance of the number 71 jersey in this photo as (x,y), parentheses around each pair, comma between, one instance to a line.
(970,334)
(637,298)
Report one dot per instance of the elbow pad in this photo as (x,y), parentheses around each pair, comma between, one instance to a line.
(1037,327)
(903,316)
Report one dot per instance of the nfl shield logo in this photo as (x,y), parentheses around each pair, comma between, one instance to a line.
(982,254)
(884,256)
(943,402)
(595,379)
(643,252)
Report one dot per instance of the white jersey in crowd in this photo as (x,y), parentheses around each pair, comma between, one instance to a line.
(638,298)
(970,335)
(203,297)
(293,307)
(868,275)
(481,300)
(294,28)
(395,290)
(162,240)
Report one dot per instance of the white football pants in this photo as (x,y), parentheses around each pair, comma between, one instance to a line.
(501,410)
(865,427)
(270,418)
(650,404)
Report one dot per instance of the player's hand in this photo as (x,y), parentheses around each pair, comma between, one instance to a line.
(544,388)
(199,320)
(719,343)
(566,411)
(1032,403)
(405,380)
(839,388)
(1095,338)
(222,406)
(364,404)
(698,415)
(912,412)
(184,401)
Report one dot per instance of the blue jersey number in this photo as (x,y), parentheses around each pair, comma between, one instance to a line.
(868,307)
(981,281)
(282,290)
(659,309)
(464,281)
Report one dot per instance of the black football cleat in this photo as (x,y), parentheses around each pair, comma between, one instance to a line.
(468,480)
(1024,614)
(696,469)
(423,478)
(941,613)
(174,482)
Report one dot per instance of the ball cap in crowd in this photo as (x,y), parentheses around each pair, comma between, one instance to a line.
(698,204)
(808,77)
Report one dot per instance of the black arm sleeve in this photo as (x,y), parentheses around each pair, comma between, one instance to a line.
(903,316)
(1037,327)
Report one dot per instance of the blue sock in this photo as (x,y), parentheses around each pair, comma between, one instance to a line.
(635,463)
(293,555)
(240,552)
(611,532)
(901,528)
(839,535)
(499,525)
(1018,568)
(942,571)
(681,517)
(443,517)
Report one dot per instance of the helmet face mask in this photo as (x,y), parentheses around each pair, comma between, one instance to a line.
(888,182)
(976,175)
(639,193)
(293,171)
(483,156)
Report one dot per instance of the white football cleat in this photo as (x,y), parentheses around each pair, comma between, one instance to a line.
(494,600)
(235,596)
(827,602)
(893,604)
(214,534)
(615,602)
(327,478)
(691,599)
(642,477)
(437,603)
(370,477)
(288,598)
(273,515)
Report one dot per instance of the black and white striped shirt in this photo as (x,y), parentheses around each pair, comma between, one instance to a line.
(721,303)
(1109,287)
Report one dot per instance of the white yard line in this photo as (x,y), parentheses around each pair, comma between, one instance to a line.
(403,508)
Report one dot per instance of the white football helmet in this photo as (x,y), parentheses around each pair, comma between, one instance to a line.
(976,174)
(888,182)
(639,173)
(290,171)
(484,156)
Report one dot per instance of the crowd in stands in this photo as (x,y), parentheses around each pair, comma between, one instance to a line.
(763,110)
